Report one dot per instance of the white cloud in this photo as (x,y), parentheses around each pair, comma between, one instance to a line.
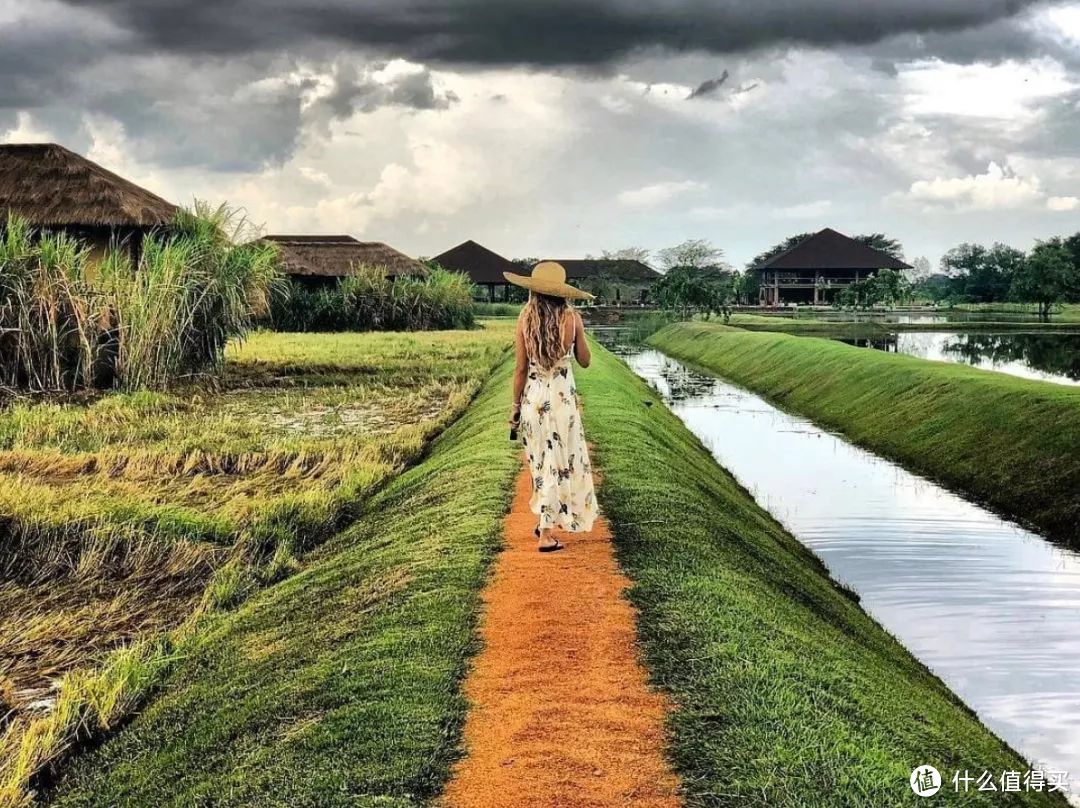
(1063,21)
(1008,91)
(807,210)
(649,196)
(320,178)
(25,130)
(1061,204)
(1000,188)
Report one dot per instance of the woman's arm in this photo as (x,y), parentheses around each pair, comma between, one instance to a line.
(581,345)
(521,370)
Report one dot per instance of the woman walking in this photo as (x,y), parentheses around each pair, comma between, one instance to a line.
(545,404)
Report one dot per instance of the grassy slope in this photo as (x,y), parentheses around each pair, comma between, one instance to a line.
(1065,311)
(788,693)
(1010,442)
(338,686)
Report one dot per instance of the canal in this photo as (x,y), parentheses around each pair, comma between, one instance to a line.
(990,607)
(1053,357)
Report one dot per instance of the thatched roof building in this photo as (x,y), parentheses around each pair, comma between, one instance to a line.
(484,267)
(816,269)
(52,187)
(324,259)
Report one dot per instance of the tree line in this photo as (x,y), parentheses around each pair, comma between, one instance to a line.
(696,276)
(972,273)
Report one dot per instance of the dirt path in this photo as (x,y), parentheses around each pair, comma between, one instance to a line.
(561,713)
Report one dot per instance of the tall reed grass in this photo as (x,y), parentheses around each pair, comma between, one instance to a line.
(369,301)
(72,321)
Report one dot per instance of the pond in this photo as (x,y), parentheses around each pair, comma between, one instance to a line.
(1053,357)
(990,607)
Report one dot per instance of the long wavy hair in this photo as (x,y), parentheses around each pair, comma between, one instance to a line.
(543,316)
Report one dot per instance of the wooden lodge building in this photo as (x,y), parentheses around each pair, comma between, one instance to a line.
(316,261)
(56,189)
(484,267)
(817,268)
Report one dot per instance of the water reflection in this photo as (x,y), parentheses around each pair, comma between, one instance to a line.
(990,607)
(1049,357)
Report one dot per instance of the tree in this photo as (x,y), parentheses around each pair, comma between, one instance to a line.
(981,274)
(1047,276)
(745,286)
(920,269)
(696,253)
(879,241)
(783,246)
(886,286)
(686,288)
(627,254)
(935,287)
(890,287)
(1072,244)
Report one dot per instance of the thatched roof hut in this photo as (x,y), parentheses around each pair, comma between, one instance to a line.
(52,187)
(324,259)
(830,251)
(484,267)
(818,268)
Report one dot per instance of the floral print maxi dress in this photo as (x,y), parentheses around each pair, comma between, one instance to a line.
(555,447)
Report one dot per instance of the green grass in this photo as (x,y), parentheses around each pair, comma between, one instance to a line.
(787,693)
(339,686)
(484,309)
(1011,443)
(126,515)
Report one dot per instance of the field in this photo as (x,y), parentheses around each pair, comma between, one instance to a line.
(339,686)
(129,514)
(1011,443)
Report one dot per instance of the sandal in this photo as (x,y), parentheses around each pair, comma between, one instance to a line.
(550,548)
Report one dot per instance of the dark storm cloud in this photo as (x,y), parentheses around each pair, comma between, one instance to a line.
(354,90)
(553,33)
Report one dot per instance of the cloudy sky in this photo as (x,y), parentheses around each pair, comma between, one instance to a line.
(568,127)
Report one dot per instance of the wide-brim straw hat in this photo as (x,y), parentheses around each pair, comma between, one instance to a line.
(548,278)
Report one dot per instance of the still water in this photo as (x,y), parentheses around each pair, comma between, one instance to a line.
(1051,357)
(990,607)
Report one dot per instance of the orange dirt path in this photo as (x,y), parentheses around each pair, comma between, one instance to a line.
(561,713)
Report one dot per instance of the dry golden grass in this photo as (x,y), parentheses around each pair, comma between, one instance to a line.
(128,515)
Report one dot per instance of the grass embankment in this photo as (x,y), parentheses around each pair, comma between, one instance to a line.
(1062,311)
(339,686)
(787,693)
(125,515)
(869,328)
(1011,443)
